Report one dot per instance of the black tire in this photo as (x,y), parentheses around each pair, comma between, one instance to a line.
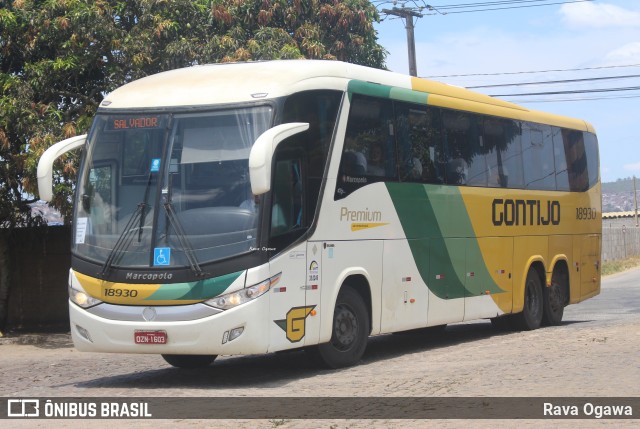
(531,316)
(349,332)
(189,361)
(555,299)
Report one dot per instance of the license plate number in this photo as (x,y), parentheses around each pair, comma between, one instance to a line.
(150,337)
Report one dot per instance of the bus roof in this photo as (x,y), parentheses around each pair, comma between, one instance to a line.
(226,83)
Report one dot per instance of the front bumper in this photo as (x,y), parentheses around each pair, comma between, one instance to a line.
(205,335)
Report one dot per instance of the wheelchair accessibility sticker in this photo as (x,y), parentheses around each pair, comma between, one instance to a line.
(161,256)
(155,165)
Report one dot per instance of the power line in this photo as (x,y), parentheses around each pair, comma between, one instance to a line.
(561,100)
(551,82)
(439,9)
(532,71)
(578,91)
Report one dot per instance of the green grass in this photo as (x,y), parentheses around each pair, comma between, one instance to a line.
(612,267)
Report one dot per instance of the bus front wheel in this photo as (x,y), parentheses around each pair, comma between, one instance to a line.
(189,361)
(531,316)
(349,333)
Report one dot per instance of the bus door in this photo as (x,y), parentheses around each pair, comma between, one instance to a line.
(288,222)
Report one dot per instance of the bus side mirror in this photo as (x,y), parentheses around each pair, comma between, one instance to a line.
(261,155)
(45,165)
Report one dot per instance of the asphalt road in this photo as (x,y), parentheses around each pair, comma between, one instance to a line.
(594,353)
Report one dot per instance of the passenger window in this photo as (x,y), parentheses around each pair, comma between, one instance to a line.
(577,168)
(369,146)
(462,142)
(419,143)
(537,153)
(561,144)
(593,162)
(510,156)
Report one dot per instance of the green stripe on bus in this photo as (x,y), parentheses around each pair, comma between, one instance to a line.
(441,238)
(384,91)
(366,88)
(200,290)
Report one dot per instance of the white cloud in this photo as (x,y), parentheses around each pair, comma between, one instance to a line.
(599,15)
(624,54)
(632,167)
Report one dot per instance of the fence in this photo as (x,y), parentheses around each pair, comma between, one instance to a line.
(620,243)
(34,272)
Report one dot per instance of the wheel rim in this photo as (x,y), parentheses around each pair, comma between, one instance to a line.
(345,328)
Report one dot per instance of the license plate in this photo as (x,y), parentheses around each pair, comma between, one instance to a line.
(150,337)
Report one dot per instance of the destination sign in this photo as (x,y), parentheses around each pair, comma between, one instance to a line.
(139,122)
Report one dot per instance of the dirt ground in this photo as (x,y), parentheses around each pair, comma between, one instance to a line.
(594,352)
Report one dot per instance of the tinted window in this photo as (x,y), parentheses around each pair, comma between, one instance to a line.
(537,157)
(462,143)
(560,146)
(369,147)
(419,143)
(593,163)
(510,156)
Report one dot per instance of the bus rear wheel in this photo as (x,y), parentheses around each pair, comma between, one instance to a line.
(189,361)
(555,299)
(349,332)
(531,316)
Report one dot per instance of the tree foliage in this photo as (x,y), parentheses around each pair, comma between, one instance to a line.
(58,58)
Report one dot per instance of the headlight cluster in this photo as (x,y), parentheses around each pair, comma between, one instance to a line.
(233,299)
(81,298)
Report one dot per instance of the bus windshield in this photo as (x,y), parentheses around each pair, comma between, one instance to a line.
(168,190)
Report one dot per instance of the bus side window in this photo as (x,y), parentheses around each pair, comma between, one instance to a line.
(561,148)
(578,173)
(537,154)
(419,143)
(369,153)
(462,143)
(593,162)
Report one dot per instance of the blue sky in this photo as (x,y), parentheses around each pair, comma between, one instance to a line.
(602,36)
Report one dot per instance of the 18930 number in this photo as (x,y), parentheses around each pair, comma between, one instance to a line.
(124,293)
(586,213)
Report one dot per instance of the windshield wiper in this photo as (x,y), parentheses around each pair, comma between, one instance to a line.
(128,231)
(182,238)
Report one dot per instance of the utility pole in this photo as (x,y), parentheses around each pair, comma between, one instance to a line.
(407,15)
(635,198)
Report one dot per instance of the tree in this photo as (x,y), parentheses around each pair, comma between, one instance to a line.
(58,59)
(318,29)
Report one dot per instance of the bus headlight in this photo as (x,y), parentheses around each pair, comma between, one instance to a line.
(82,298)
(233,299)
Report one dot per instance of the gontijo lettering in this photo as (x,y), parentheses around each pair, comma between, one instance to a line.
(524,212)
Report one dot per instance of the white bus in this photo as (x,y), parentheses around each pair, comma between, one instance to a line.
(257,207)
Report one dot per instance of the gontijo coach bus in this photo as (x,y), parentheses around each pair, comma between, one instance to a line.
(251,208)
